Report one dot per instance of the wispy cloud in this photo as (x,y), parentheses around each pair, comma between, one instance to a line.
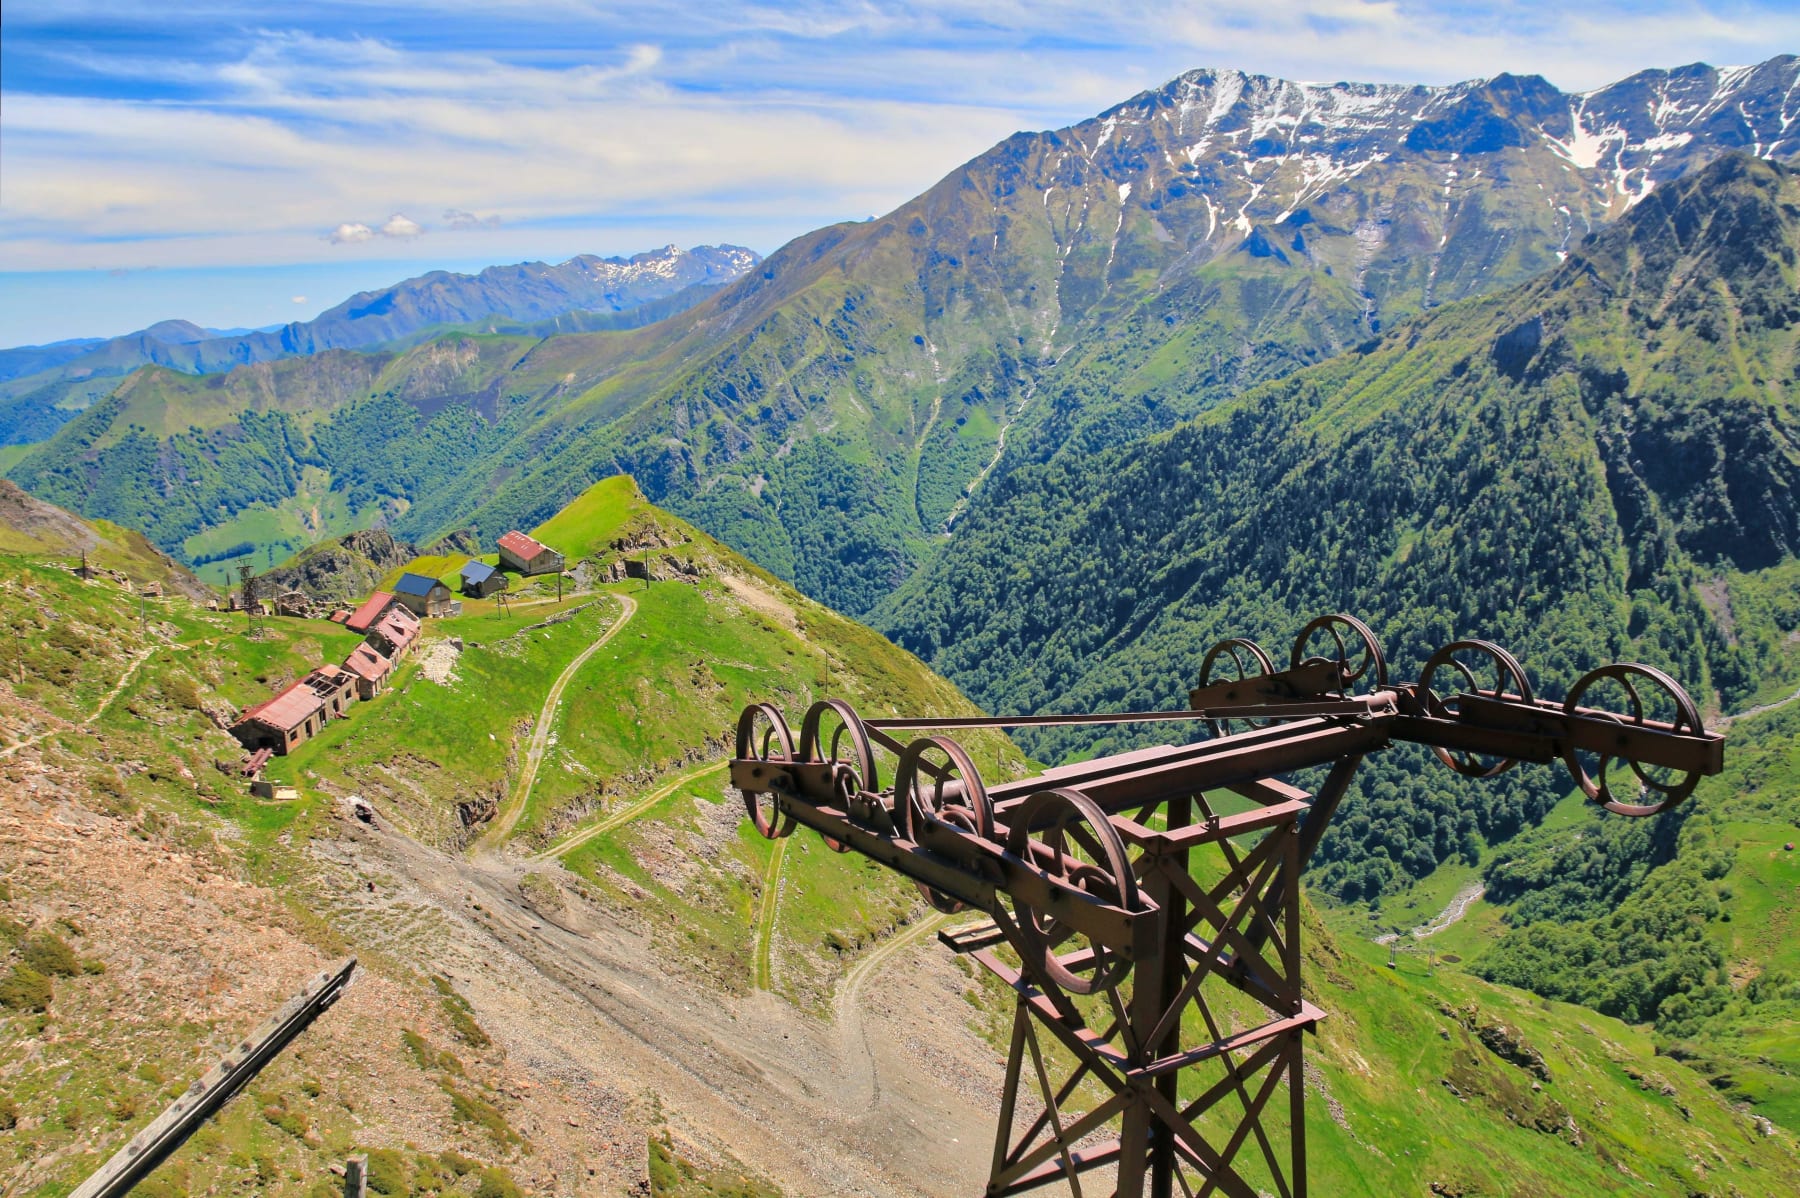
(209,133)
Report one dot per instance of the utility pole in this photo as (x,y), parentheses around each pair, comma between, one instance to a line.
(248,582)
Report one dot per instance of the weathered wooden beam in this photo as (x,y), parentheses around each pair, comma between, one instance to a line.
(171,1129)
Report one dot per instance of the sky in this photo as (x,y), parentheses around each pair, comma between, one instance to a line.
(245,164)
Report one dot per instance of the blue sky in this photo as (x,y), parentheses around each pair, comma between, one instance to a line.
(248,163)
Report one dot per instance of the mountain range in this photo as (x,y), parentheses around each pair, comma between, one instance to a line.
(43,386)
(831,411)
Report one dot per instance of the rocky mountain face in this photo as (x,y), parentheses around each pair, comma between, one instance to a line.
(341,570)
(37,383)
(833,411)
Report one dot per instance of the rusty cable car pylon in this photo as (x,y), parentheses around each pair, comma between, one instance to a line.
(1089,875)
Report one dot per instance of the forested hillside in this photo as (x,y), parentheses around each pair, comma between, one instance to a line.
(1600,465)
(831,412)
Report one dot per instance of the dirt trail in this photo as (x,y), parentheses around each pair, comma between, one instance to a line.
(791,1093)
(112,695)
(764,950)
(1725,721)
(540,735)
(617,818)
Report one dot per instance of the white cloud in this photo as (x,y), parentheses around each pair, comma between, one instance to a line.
(692,123)
(459,220)
(298,299)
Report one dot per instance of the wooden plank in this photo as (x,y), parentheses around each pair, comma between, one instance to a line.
(171,1129)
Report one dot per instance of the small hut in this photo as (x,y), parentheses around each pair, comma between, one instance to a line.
(524,555)
(479,580)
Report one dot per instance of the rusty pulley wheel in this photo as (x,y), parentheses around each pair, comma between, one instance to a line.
(762,735)
(936,790)
(1640,696)
(1480,668)
(1232,661)
(1065,833)
(832,732)
(1348,642)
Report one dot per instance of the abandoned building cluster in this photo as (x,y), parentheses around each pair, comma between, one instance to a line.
(275,726)
(390,624)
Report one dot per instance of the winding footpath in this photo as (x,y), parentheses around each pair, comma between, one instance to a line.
(765,919)
(582,836)
(540,735)
(112,695)
(1726,720)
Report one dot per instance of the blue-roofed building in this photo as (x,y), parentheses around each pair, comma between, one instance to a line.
(425,596)
(479,580)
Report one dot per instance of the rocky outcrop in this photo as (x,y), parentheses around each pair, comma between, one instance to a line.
(1502,1040)
(340,570)
(462,541)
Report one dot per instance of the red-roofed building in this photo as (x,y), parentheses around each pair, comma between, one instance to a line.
(283,722)
(523,555)
(370,668)
(335,685)
(395,633)
(364,617)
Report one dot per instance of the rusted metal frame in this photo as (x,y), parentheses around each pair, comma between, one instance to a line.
(1148,1145)
(1252,1120)
(1085,1159)
(1231,1071)
(1064,1143)
(1217,961)
(1110,1064)
(1204,1156)
(1223,828)
(1173,965)
(1081,1070)
(1216,765)
(1208,906)
(1009,1093)
(1261,920)
(1296,861)
(1261,858)
(1014,1158)
(1124,932)
(1381,703)
(1213,1165)
(1313,678)
(1061,1140)
(1221,764)
(1542,731)
(1297,1112)
(1312,831)
(1296,1022)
